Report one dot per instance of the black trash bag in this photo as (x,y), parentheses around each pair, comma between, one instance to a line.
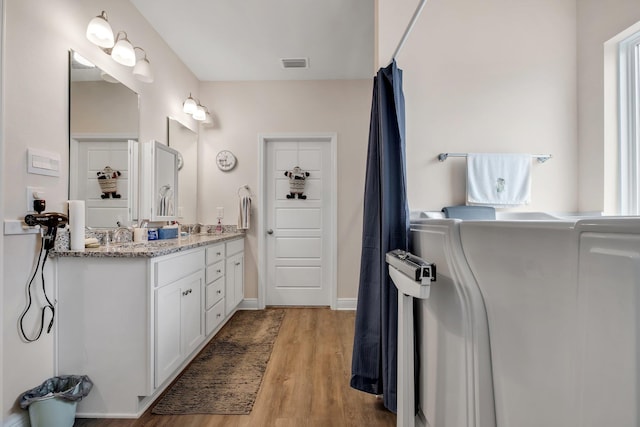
(67,387)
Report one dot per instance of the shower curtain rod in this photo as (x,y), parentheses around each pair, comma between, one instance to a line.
(414,18)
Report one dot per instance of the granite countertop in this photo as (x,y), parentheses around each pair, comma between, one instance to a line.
(150,249)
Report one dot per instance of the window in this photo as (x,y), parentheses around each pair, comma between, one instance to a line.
(629,125)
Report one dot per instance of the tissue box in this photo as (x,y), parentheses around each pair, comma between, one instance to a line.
(167,233)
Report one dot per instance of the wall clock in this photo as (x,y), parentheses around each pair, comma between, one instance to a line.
(226,160)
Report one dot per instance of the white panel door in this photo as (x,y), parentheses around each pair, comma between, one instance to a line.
(93,156)
(298,231)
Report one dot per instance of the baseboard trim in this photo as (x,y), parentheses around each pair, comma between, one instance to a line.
(346,303)
(248,304)
(341,304)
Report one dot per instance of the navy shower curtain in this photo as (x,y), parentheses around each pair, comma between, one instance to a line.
(385,227)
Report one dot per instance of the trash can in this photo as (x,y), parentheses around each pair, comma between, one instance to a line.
(53,403)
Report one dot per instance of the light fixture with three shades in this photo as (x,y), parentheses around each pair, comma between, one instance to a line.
(100,33)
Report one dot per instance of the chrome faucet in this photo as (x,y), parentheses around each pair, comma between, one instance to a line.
(119,232)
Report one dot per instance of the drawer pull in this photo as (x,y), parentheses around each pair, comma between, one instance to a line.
(218,315)
(218,291)
(218,253)
(218,271)
(237,263)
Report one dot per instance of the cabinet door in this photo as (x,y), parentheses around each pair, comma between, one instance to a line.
(192,313)
(179,323)
(168,343)
(234,281)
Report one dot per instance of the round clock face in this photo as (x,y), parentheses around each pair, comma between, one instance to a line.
(226,160)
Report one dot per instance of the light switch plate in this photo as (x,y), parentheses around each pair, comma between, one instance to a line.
(42,162)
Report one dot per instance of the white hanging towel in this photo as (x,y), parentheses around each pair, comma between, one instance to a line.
(498,179)
(244,216)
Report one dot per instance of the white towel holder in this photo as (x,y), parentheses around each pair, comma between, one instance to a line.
(246,188)
(540,157)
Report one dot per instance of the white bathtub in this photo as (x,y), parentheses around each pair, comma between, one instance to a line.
(562,301)
(455,381)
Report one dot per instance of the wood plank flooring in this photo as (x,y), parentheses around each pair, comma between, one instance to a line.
(306,383)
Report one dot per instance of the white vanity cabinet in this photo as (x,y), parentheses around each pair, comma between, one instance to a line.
(178,314)
(132,321)
(215,289)
(234,277)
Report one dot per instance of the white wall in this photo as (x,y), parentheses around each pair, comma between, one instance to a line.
(243,110)
(489,76)
(599,21)
(38,36)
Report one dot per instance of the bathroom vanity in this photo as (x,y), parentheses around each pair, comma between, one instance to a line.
(132,316)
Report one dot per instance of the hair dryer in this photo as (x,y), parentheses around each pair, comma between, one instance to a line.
(51,221)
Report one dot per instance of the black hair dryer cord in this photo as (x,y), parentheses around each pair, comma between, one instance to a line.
(49,306)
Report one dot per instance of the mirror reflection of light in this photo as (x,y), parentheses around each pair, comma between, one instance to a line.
(82,60)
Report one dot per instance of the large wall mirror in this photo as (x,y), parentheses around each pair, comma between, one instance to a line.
(185,141)
(103,128)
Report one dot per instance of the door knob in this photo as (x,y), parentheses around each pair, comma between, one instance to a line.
(269,231)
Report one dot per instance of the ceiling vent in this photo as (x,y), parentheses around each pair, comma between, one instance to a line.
(295,63)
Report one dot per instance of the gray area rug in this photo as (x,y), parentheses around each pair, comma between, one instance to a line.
(226,376)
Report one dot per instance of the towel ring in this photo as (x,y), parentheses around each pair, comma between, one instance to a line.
(246,188)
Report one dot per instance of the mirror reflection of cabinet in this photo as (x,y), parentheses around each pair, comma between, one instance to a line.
(158,182)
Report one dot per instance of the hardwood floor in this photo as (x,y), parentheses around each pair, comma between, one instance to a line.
(306,383)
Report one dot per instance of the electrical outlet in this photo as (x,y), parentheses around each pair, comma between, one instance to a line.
(32,194)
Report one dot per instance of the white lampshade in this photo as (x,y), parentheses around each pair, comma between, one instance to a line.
(208,120)
(82,60)
(99,31)
(189,106)
(123,52)
(142,71)
(200,114)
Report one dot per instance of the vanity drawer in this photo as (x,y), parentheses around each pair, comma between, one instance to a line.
(235,246)
(177,266)
(214,316)
(215,253)
(214,293)
(215,271)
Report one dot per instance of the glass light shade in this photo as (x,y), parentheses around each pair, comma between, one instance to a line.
(208,120)
(123,52)
(200,114)
(142,71)
(82,60)
(99,31)
(189,106)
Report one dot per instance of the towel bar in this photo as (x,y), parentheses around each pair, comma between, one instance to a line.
(540,157)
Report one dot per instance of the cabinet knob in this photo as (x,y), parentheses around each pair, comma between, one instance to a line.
(187,292)
(237,263)
(218,271)
(269,231)
(218,253)
(218,315)
(219,291)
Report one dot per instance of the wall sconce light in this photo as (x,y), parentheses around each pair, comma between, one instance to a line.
(142,70)
(198,111)
(189,105)
(100,33)
(122,51)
